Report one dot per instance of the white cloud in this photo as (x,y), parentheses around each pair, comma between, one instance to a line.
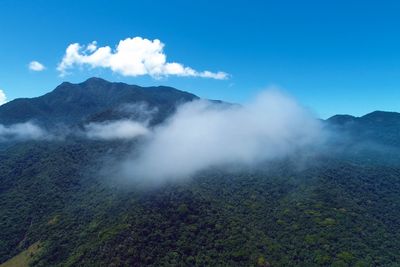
(3,97)
(203,134)
(122,129)
(132,57)
(36,66)
(22,131)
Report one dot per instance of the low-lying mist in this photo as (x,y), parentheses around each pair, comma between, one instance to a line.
(121,129)
(200,135)
(22,132)
(204,134)
(135,123)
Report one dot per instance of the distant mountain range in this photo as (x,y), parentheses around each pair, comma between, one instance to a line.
(377,126)
(99,100)
(381,117)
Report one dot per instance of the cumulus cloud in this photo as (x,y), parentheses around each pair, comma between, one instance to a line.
(132,57)
(3,97)
(204,134)
(121,129)
(36,66)
(22,131)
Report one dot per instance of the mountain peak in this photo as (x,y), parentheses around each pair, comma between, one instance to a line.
(90,82)
(94,80)
(341,119)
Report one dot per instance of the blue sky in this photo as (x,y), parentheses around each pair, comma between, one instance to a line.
(333,56)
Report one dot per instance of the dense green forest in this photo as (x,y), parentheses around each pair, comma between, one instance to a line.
(61,203)
(329,213)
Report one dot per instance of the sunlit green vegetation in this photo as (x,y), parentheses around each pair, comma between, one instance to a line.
(24,258)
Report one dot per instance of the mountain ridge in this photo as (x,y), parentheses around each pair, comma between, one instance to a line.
(377,115)
(98,100)
(71,103)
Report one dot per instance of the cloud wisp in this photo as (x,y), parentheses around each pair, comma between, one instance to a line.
(139,111)
(132,57)
(36,66)
(22,132)
(133,122)
(3,97)
(114,130)
(203,134)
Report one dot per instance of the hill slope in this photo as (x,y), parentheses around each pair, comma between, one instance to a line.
(378,127)
(72,103)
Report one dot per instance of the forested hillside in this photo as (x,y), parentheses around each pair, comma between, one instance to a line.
(329,209)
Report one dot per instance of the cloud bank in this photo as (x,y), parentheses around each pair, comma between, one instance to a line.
(36,66)
(132,57)
(204,134)
(200,135)
(22,132)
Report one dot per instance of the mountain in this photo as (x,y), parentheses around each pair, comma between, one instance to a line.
(60,205)
(383,118)
(73,103)
(378,127)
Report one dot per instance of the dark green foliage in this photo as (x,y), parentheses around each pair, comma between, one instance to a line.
(338,213)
